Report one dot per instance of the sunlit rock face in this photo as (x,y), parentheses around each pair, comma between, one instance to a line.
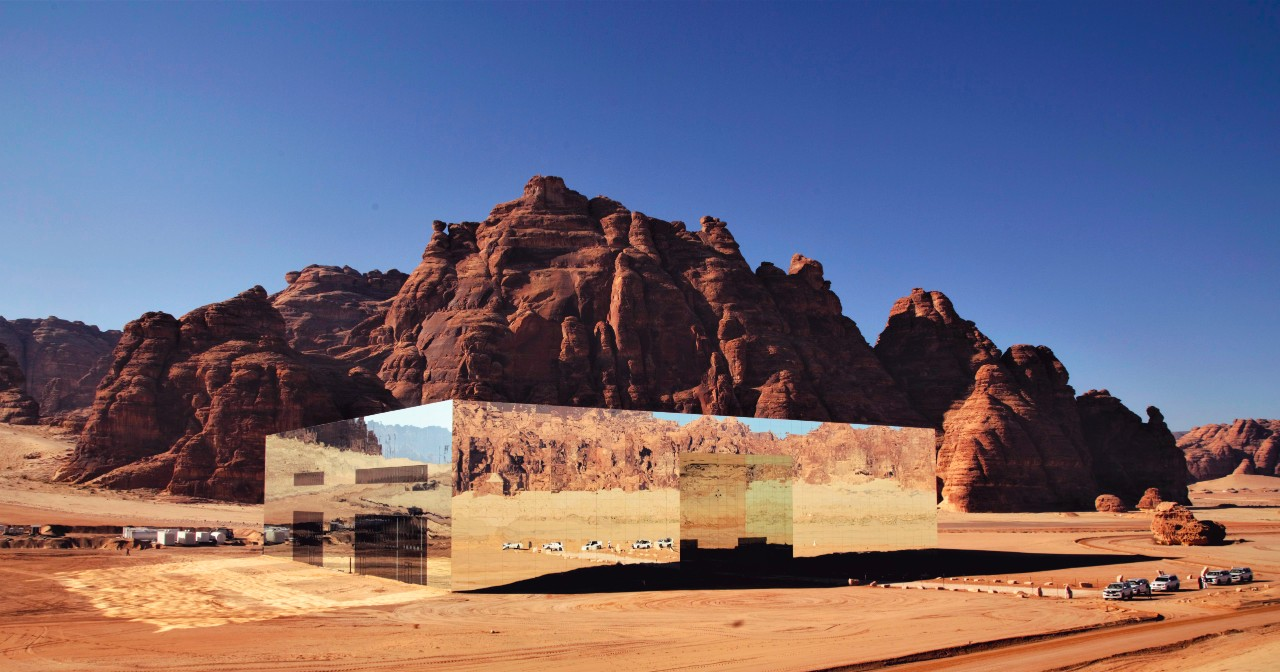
(188,402)
(62,362)
(561,299)
(1243,446)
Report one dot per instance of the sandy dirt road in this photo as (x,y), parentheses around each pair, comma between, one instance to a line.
(1076,651)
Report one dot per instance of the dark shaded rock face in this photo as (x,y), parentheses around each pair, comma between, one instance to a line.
(323,304)
(1174,525)
(62,362)
(1130,455)
(1214,451)
(16,406)
(187,403)
(561,299)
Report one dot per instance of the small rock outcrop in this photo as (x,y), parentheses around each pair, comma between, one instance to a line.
(323,304)
(187,402)
(62,362)
(16,406)
(1174,525)
(1150,500)
(1214,451)
(1130,455)
(1109,504)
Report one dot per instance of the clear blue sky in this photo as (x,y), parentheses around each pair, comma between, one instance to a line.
(1100,178)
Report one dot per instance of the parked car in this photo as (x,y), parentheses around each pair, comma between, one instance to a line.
(1141,587)
(666,542)
(1166,582)
(553,546)
(1241,575)
(1218,577)
(1117,591)
(592,545)
(642,543)
(513,546)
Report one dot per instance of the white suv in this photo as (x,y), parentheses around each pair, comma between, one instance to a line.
(553,546)
(642,543)
(592,546)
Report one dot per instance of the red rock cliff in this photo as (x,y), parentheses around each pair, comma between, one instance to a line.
(62,361)
(16,406)
(187,403)
(561,299)
(323,304)
(1130,455)
(1214,451)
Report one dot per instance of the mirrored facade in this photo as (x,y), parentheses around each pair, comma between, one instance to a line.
(465,495)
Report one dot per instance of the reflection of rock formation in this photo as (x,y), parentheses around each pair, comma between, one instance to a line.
(352,435)
(62,362)
(1214,451)
(589,449)
(188,402)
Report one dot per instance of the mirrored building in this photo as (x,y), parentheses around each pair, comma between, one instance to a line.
(465,495)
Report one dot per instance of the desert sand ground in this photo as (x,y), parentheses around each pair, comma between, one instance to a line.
(231,608)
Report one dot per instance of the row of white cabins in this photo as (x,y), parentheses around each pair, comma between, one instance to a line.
(175,537)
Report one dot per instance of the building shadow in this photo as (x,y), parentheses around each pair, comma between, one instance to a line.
(817,572)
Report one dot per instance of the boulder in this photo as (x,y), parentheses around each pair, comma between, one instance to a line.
(1150,499)
(1109,504)
(1174,525)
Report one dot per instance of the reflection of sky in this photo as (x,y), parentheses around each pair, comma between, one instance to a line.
(780,428)
(439,414)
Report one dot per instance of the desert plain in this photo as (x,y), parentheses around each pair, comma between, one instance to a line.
(969,604)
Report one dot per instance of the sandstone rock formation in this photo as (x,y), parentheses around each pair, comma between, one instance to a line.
(350,435)
(323,304)
(1174,525)
(62,361)
(1150,500)
(188,401)
(1129,455)
(1109,504)
(1214,451)
(561,299)
(16,406)
(552,449)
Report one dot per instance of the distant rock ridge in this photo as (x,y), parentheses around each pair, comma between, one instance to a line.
(349,435)
(1214,451)
(560,299)
(62,362)
(187,402)
(16,406)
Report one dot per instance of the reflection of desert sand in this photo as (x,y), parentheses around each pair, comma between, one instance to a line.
(29,456)
(483,523)
(869,516)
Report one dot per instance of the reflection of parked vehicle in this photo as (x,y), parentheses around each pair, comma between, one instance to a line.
(1217,577)
(553,546)
(1166,582)
(642,543)
(1140,587)
(666,542)
(592,546)
(1241,575)
(1117,591)
(513,546)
